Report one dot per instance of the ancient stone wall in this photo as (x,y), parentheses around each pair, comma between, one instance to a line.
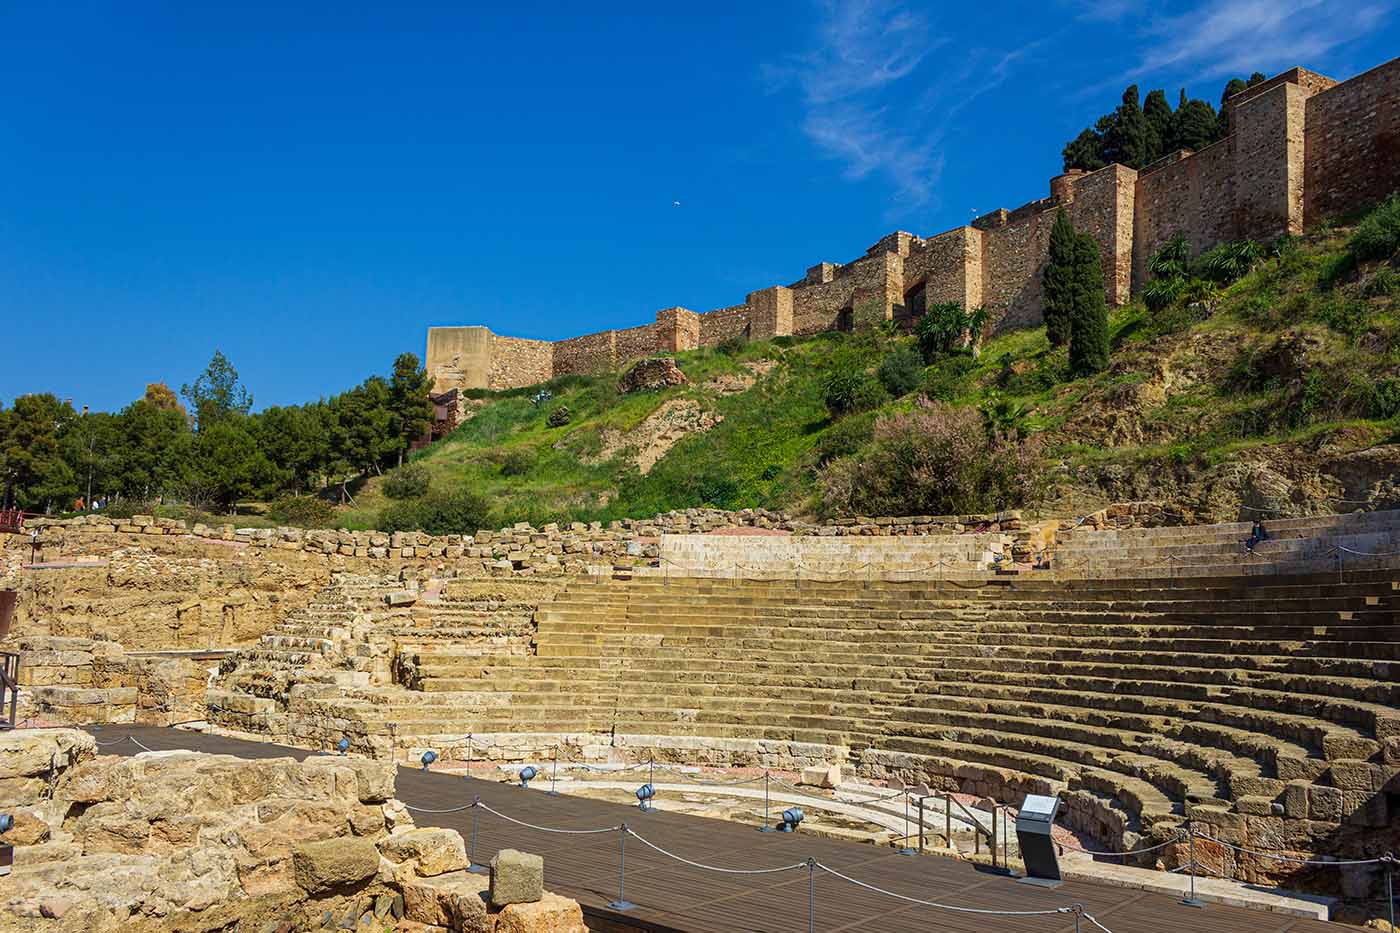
(724,324)
(1352,144)
(1303,148)
(517,362)
(591,353)
(197,843)
(1182,194)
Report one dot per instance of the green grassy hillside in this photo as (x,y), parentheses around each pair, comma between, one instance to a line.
(1268,382)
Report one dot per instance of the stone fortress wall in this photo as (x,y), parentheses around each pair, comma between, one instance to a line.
(1304,148)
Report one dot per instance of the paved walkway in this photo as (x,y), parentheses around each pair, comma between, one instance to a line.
(670,895)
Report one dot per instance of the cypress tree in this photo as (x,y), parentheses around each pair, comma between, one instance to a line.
(1058,281)
(1160,135)
(1128,141)
(1195,125)
(1085,151)
(1088,344)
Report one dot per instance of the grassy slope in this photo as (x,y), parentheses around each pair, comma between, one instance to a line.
(1184,388)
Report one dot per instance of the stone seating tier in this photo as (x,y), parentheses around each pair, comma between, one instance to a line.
(1156,701)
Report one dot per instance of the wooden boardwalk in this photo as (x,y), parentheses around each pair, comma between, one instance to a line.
(670,895)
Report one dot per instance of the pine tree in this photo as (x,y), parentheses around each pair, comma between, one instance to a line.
(1088,345)
(1160,125)
(217,393)
(1059,282)
(413,411)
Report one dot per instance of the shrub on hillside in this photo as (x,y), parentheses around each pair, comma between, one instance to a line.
(844,438)
(732,346)
(1228,262)
(848,388)
(517,461)
(1378,234)
(302,511)
(409,481)
(934,460)
(559,417)
(901,370)
(460,511)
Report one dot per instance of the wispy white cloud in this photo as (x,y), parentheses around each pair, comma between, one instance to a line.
(863,100)
(1223,37)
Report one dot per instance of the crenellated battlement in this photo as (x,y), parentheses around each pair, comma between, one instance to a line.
(1304,148)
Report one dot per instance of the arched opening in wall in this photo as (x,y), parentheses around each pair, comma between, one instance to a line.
(846,320)
(915,304)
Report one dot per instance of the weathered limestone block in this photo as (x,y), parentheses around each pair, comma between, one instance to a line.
(550,914)
(367,780)
(453,900)
(516,878)
(334,863)
(428,851)
(33,759)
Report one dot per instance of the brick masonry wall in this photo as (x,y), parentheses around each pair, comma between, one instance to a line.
(1304,148)
(1352,144)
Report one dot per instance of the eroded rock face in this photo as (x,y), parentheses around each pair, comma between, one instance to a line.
(168,841)
(650,375)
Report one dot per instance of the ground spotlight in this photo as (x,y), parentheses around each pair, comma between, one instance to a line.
(791,817)
(7,823)
(528,774)
(343,745)
(428,758)
(644,795)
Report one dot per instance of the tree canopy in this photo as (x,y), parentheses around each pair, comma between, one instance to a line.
(1140,131)
(52,456)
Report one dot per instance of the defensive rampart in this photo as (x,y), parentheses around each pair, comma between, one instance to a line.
(1304,148)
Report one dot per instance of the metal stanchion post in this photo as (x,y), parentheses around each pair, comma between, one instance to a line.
(948,820)
(1078,912)
(622,903)
(475,867)
(921,824)
(811,895)
(469,754)
(1389,861)
(1192,901)
(994,836)
(651,770)
(554,773)
(906,849)
(767,826)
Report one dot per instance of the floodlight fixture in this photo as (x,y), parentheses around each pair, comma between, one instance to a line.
(343,745)
(428,758)
(792,816)
(644,795)
(528,774)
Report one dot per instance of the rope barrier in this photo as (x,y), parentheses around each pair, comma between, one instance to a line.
(548,829)
(728,871)
(467,806)
(966,910)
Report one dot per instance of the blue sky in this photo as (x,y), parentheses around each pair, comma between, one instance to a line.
(309,187)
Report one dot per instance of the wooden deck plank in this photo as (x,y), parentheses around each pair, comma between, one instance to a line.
(673,896)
